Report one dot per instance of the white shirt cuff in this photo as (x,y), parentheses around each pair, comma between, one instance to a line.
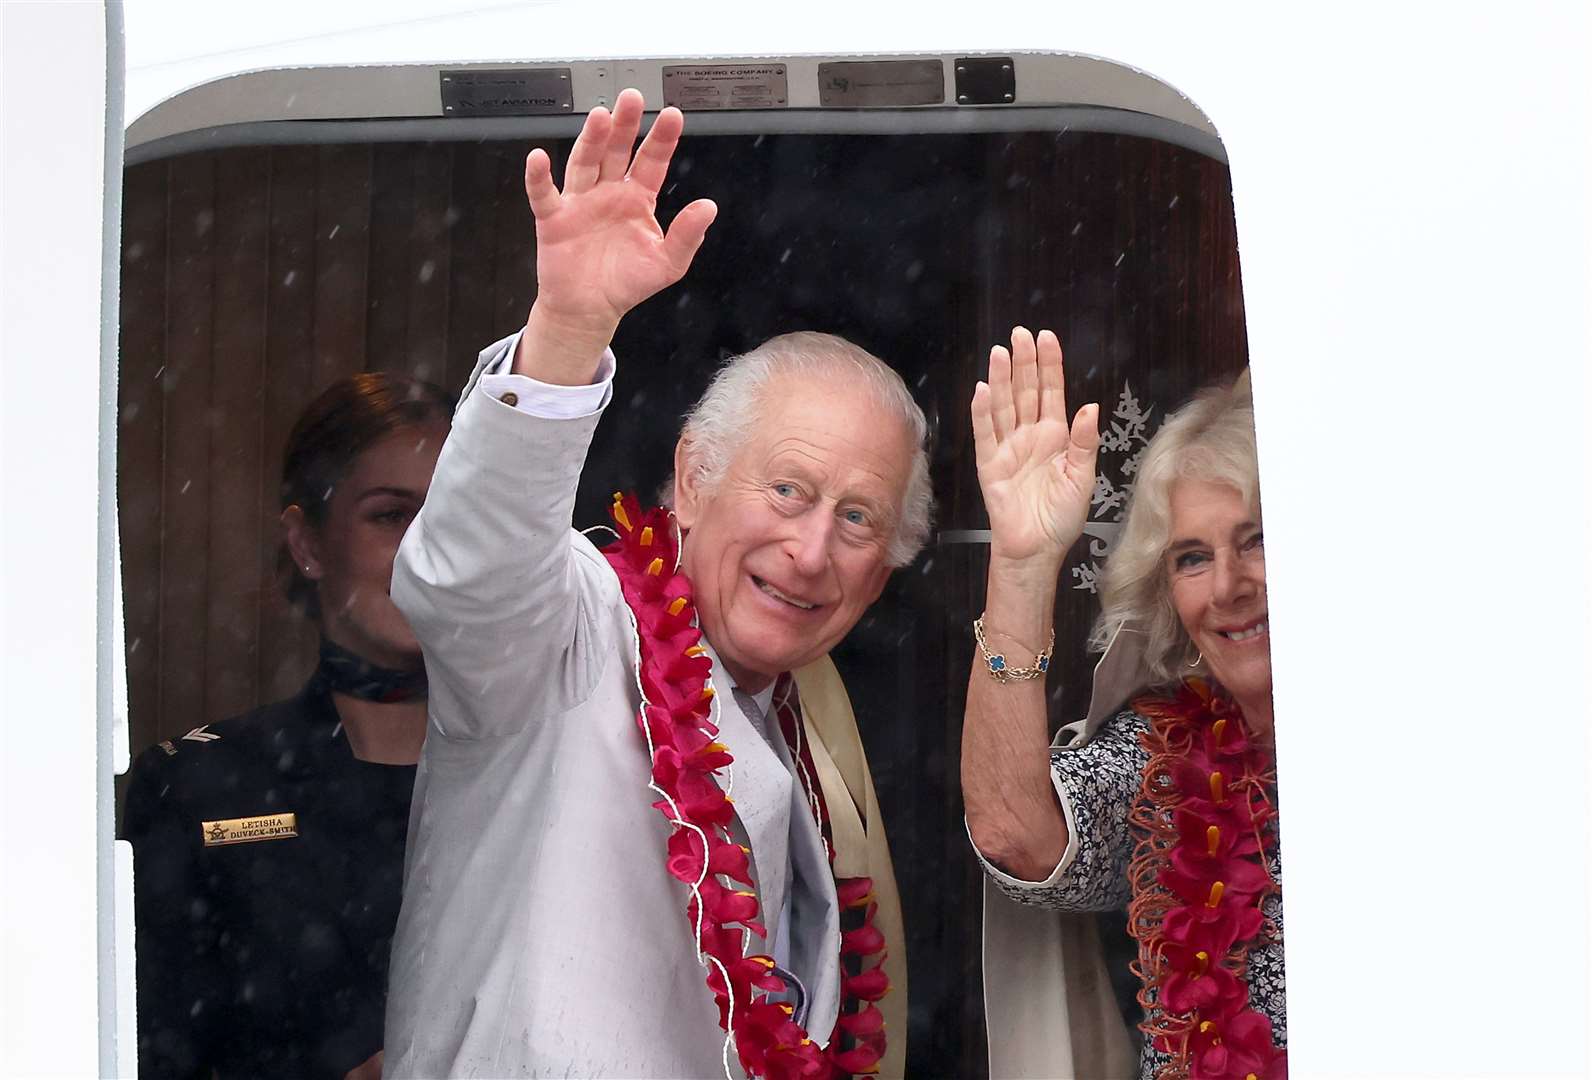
(547,400)
(1069,854)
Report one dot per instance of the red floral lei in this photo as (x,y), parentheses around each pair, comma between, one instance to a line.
(1199,876)
(676,693)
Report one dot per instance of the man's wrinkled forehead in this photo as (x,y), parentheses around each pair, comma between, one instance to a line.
(832,421)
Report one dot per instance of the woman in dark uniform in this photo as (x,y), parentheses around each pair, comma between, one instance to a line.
(269,848)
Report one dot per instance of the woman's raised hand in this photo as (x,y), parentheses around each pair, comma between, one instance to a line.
(1037,474)
(599,248)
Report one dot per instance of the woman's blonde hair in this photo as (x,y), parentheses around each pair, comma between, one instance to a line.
(1212,438)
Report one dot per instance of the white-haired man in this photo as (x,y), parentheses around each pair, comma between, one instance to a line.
(617,866)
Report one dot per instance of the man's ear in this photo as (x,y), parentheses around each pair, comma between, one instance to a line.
(302,543)
(687,486)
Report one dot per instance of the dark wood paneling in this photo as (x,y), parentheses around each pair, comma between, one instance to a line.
(474,236)
(237,463)
(514,257)
(426,344)
(287,642)
(185,479)
(392,244)
(140,410)
(342,258)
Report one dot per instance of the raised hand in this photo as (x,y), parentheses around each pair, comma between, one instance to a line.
(1037,474)
(599,248)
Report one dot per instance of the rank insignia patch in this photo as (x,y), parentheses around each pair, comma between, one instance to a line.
(248,829)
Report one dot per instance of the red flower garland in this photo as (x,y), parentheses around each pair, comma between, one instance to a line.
(1199,876)
(673,672)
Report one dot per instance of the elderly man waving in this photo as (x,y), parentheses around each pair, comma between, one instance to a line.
(645,840)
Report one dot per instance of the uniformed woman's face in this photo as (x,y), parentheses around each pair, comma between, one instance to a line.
(350,555)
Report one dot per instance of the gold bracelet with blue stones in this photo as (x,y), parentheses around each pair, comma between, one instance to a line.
(1000,670)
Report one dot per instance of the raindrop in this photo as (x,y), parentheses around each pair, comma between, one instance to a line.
(1172,203)
(1035,297)
(186,484)
(132,648)
(333,234)
(135,252)
(682,303)
(202,222)
(326,496)
(1120,257)
(1078,228)
(428,270)
(287,279)
(161,370)
(784,256)
(914,270)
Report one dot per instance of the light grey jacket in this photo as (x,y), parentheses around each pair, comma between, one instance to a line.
(540,933)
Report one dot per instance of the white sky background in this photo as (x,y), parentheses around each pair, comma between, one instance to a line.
(174,44)
(1412,193)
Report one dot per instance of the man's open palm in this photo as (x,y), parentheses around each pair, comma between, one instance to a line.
(599,248)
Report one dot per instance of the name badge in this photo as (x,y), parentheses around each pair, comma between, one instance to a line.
(245,830)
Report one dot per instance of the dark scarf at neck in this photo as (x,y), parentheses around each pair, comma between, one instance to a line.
(351,674)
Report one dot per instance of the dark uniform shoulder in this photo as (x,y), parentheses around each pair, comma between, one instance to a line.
(257,729)
(193,767)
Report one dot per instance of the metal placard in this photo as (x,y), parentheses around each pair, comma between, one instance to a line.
(513,92)
(985,80)
(857,83)
(725,86)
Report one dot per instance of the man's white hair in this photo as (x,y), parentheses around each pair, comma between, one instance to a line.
(1212,438)
(722,420)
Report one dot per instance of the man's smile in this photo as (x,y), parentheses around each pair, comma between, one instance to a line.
(785,597)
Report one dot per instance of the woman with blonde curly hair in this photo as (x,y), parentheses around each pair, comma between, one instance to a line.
(1169,807)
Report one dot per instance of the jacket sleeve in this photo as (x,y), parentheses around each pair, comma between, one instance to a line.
(1097,784)
(181,981)
(504,597)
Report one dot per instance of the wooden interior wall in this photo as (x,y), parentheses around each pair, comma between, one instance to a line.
(254,277)
(251,279)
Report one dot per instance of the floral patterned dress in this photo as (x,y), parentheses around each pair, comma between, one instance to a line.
(1100,782)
